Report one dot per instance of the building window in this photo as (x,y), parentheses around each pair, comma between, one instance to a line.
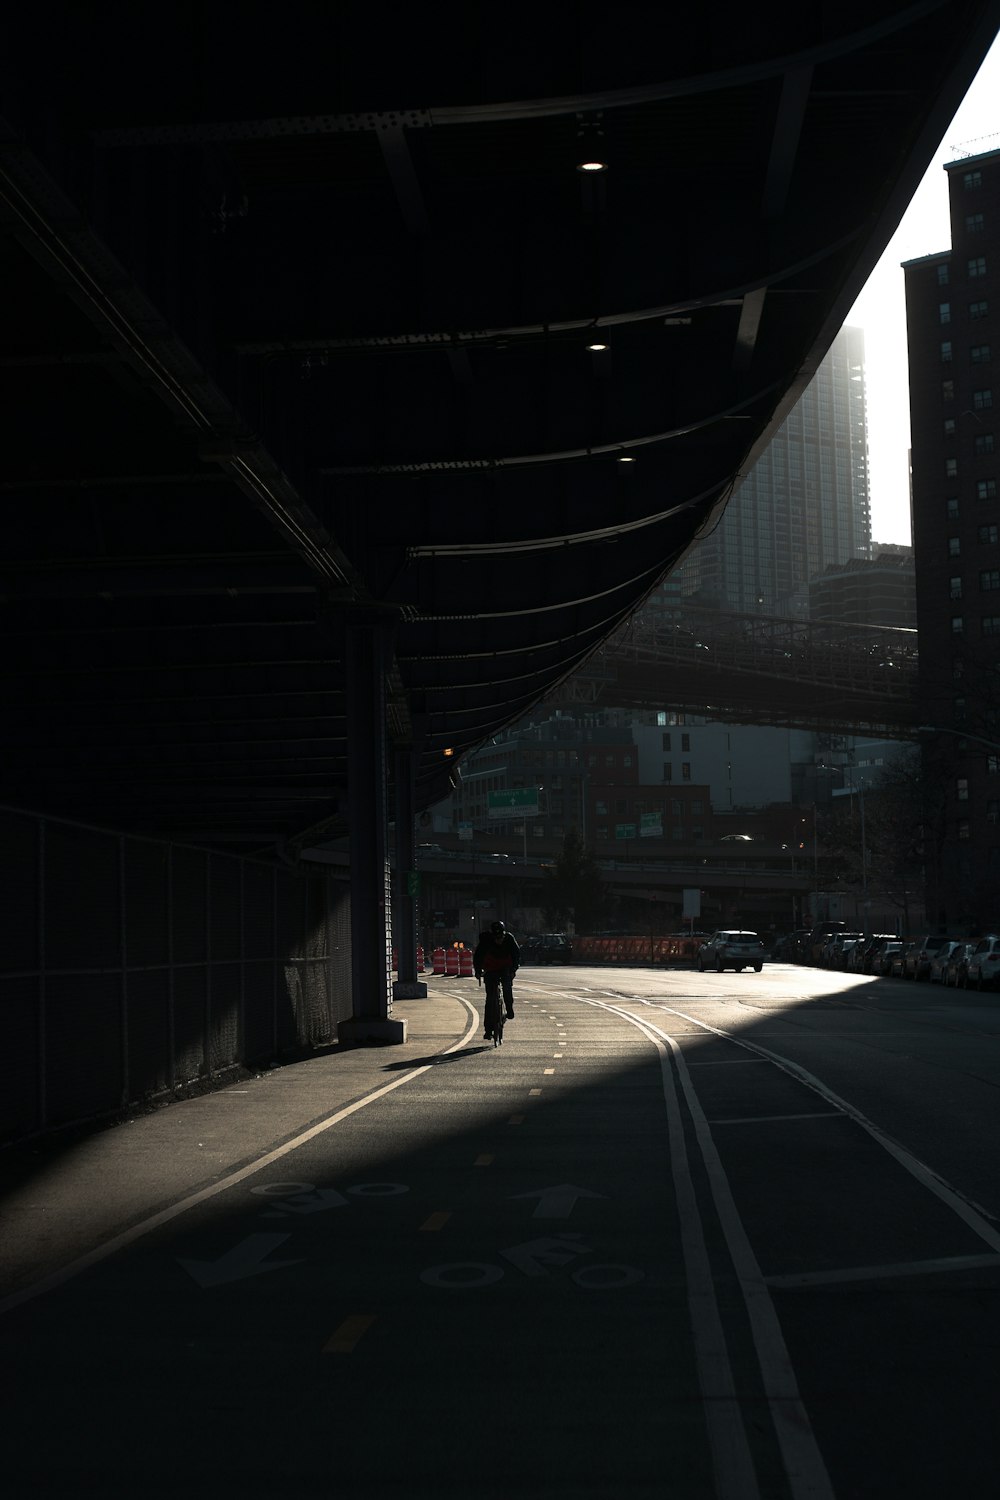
(601,807)
(978,309)
(685,770)
(609,760)
(957,668)
(668,771)
(974,223)
(979,354)
(942,274)
(989,581)
(955,588)
(685,743)
(989,534)
(993,811)
(993,764)
(951,508)
(944,312)
(676,807)
(697,808)
(666,742)
(627,762)
(949,426)
(986,489)
(981,400)
(950,468)
(991,624)
(946,352)
(984,444)
(947,390)
(957,624)
(954,546)
(977,266)
(963,828)
(962,788)
(971,181)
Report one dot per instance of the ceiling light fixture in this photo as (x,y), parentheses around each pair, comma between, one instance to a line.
(596,348)
(592,166)
(626,458)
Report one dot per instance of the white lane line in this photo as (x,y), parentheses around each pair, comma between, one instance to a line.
(137,1231)
(735,1478)
(813,1114)
(966,1210)
(884,1273)
(807,1474)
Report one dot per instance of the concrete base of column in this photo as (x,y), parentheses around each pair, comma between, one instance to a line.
(356,1030)
(409,989)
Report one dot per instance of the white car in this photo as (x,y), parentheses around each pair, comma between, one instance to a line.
(731,948)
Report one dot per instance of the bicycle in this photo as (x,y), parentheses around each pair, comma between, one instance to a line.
(495,1002)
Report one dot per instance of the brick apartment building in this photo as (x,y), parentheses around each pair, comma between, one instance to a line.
(952,302)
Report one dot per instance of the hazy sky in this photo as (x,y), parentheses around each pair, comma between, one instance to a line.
(880,309)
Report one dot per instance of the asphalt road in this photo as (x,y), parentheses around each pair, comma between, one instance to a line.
(683,1235)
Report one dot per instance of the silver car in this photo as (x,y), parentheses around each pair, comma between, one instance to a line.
(731,948)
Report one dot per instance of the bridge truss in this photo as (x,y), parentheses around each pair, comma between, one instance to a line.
(757,669)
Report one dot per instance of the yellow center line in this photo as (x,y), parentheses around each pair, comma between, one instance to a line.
(546,1071)
(533,1092)
(344,1339)
(482,1161)
(557,1054)
(436,1221)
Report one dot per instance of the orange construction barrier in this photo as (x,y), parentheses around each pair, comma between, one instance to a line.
(438,961)
(465,963)
(451,961)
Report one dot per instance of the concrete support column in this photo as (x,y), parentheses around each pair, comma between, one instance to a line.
(368,642)
(404,901)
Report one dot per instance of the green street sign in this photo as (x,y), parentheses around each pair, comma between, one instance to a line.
(624,830)
(519,802)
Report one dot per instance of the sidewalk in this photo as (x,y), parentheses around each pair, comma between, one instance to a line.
(62,1198)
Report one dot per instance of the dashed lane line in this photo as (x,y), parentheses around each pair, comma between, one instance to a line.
(344,1339)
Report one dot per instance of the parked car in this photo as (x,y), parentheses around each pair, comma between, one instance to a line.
(918,960)
(547,948)
(872,950)
(817,939)
(983,967)
(957,967)
(787,948)
(898,966)
(853,955)
(939,962)
(834,955)
(732,948)
(891,953)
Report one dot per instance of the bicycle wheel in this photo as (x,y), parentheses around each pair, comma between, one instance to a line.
(498,1024)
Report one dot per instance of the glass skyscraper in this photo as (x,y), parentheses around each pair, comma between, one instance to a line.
(804,505)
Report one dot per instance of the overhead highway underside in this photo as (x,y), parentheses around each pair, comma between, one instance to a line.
(312,324)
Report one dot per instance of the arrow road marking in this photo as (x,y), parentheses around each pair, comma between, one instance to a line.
(248,1258)
(557,1202)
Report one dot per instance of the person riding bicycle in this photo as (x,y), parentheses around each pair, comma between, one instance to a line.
(498,957)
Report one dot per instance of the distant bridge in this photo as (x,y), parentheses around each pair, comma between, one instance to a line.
(757,669)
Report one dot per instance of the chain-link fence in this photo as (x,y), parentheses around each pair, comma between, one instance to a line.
(129,967)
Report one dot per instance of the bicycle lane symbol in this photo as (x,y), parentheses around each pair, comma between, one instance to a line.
(532,1258)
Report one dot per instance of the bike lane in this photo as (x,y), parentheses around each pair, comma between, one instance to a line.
(480,1280)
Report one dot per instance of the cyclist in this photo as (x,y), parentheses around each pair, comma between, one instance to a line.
(498,957)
